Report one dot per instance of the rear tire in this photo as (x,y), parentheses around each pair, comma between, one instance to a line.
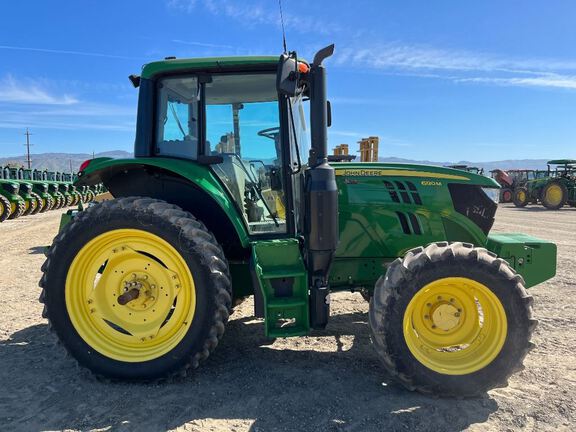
(554,195)
(4,208)
(188,238)
(458,369)
(521,198)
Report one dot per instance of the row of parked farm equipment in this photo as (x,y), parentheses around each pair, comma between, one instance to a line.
(553,188)
(26,192)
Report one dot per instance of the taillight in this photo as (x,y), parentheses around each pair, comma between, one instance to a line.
(85,164)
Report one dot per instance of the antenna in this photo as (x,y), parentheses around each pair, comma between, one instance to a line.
(28,160)
(282,22)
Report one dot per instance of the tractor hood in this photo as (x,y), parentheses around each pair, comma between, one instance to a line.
(425,174)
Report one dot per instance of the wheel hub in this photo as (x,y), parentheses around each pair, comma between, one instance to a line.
(446,317)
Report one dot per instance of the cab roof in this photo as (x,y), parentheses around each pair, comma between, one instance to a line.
(190,64)
(562,162)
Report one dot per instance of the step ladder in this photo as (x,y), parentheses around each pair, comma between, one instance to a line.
(283,281)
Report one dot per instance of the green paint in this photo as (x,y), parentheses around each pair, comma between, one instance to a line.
(531,257)
(199,175)
(180,65)
(283,282)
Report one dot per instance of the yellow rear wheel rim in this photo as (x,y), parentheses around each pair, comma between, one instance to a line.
(554,194)
(13,207)
(146,327)
(455,326)
(2,208)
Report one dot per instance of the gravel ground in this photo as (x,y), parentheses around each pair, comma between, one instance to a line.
(329,381)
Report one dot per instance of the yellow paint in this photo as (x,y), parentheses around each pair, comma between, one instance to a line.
(554,194)
(521,196)
(377,172)
(455,326)
(137,331)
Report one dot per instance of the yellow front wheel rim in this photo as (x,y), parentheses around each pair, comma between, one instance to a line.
(455,326)
(522,196)
(554,194)
(128,261)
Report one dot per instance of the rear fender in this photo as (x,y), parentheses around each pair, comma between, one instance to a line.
(185,183)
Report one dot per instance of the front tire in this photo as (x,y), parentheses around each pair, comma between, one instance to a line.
(451,320)
(4,208)
(521,198)
(161,252)
(39,204)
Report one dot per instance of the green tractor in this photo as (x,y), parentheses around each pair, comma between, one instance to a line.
(39,188)
(66,178)
(12,205)
(55,188)
(25,190)
(225,199)
(553,188)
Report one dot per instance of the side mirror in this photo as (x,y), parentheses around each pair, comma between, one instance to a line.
(328,114)
(287,74)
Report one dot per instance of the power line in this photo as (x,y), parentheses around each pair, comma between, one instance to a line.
(28,160)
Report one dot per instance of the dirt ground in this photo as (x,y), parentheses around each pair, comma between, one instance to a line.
(330,381)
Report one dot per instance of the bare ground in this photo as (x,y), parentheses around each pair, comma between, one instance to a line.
(329,381)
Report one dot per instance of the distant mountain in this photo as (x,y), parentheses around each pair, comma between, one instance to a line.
(61,161)
(488,166)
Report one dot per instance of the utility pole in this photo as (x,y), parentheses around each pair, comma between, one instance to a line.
(28,160)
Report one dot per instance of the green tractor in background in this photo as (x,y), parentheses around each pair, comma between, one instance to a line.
(40,188)
(12,205)
(25,190)
(553,188)
(55,188)
(226,199)
(37,191)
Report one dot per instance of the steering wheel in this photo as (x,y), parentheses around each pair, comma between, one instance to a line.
(270,133)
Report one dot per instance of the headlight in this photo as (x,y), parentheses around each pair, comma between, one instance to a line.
(45,188)
(492,193)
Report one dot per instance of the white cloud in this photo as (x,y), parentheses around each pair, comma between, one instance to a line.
(66,52)
(460,66)
(201,44)
(558,81)
(250,13)
(30,92)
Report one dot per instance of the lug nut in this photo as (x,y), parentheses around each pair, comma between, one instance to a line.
(133,275)
(439,297)
(426,317)
(429,304)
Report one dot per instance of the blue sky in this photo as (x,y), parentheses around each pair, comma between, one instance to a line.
(438,80)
